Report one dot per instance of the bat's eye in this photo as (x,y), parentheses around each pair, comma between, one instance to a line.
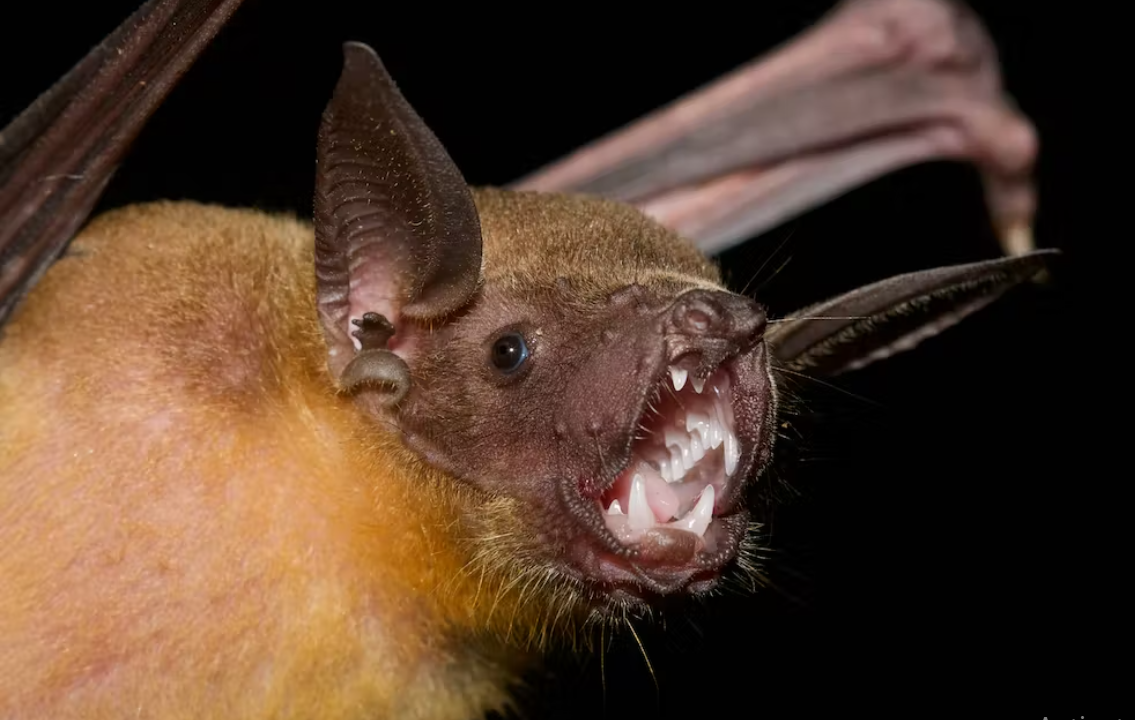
(509,352)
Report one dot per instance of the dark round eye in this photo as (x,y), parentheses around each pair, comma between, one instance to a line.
(509,352)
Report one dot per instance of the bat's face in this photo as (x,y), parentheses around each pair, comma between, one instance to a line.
(607,390)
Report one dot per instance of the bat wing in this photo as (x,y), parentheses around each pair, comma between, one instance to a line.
(879,85)
(893,315)
(58,155)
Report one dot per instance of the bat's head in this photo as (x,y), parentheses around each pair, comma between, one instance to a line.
(576,362)
(603,379)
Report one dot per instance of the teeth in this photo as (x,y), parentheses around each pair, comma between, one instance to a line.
(703,432)
(709,427)
(678,376)
(687,457)
(692,429)
(677,469)
(698,519)
(640,517)
(722,426)
(699,421)
(697,451)
(732,452)
(716,435)
(675,438)
(639,514)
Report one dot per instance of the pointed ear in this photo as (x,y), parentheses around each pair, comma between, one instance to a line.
(397,236)
(58,154)
(891,316)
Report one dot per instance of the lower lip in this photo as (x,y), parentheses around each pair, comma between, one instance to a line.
(641,578)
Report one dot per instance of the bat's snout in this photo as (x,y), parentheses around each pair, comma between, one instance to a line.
(713,325)
(716,314)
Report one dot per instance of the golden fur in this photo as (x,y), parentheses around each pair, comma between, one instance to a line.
(256,569)
(187,503)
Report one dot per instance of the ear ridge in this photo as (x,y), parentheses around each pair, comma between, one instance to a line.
(396,230)
(877,321)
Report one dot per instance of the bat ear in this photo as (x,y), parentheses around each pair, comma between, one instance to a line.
(58,155)
(397,236)
(891,316)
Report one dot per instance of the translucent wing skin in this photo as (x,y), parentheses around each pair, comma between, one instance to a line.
(58,155)
(877,86)
(880,84)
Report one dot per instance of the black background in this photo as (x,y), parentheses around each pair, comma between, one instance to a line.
(945,528)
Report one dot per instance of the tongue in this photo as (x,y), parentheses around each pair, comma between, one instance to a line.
(660,496)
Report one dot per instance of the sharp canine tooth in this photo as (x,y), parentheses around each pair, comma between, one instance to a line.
(639,514)
(615,509)
(698,383)
(732,452)
(678,376)
(664,471)
(698,519)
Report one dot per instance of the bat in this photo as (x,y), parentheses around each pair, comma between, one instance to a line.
(395,383)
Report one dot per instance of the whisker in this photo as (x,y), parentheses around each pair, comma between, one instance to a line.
(603,662)
(773,254)
(794,318)
(599,449)
(827,384)
(675,395)
(642,649)
(757,290)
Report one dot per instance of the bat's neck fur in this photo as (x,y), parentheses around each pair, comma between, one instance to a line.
(305,534)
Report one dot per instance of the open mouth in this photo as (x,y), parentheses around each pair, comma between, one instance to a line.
(683,466)
(671,517)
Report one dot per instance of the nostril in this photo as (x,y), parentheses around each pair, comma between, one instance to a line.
(697,313)
(697,320)
(720,314)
